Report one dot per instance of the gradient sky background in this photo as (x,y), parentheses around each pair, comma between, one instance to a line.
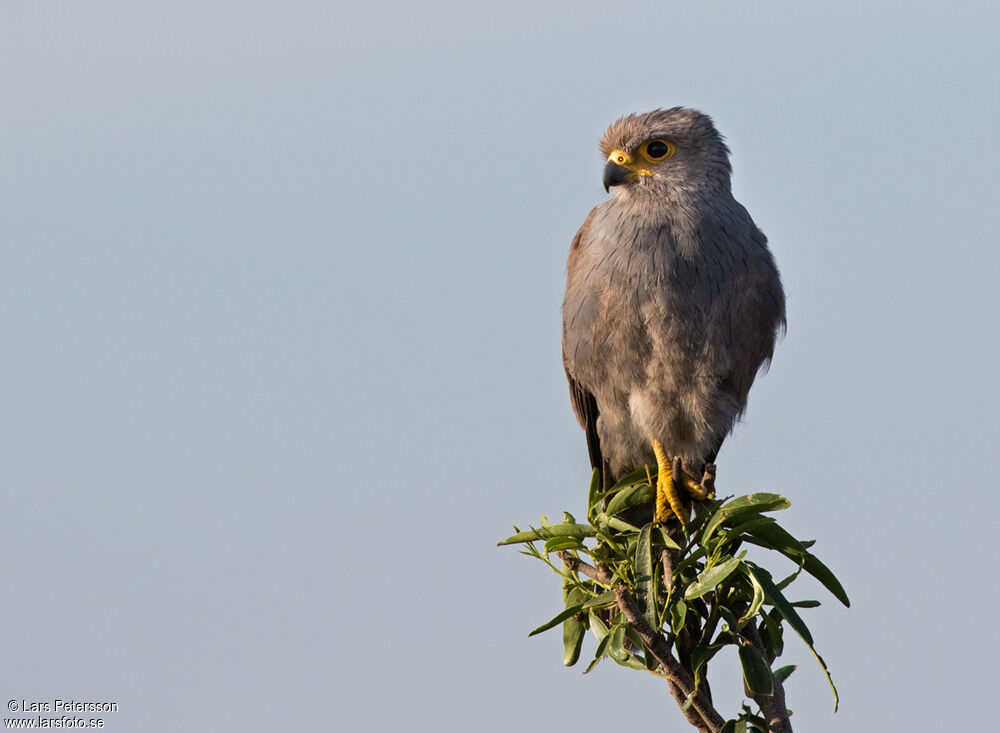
(280,290)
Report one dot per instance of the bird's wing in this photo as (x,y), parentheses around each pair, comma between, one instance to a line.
(584,402)
(585,407)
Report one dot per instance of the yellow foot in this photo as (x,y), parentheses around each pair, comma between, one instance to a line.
(670,480)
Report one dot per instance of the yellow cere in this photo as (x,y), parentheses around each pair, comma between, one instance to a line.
(623,159)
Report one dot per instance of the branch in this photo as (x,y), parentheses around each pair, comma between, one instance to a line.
(574,563)
(701,714)
(771,706)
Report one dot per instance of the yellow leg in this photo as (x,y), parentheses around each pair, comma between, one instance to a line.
(667,500)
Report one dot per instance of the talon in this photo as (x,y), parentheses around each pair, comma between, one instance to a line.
(667,496)
(671,480)
(694,488)
(708,480)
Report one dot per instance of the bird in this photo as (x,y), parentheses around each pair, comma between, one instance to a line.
(673,305)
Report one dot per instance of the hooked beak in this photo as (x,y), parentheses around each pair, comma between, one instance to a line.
(615,175)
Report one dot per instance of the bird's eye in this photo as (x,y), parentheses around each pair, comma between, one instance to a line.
(657,150)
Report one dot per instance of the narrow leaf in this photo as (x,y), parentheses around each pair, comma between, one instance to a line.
(592,493)
(829,679)
(709,578)
(744,528)
(783,673)
(756,673)
(780,603)
(598,626)
(730,618)
(739,509)
(824,575)
(616,645)
(702,655)
(773,537)
(644,585)
(569,612)
(573,629)
(600,631)
(772,633)
(563,543)
(573,633)
(782,606)
(677,613)
(638,476)
(621,525)
(552,530)
(630,497)
(605,599)
(662,538)
(758,596)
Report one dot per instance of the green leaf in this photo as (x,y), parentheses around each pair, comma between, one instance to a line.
(616,646)
(728,727)
(756,673)
(805,604)
(678,611)
(598,626)
(740,508)
(738,531)
(790,579)
(772,633)
(573,628)
(783,673)
(702,655)
(602,647)
(709,578)
(730,618)
(758,596)
(782,606)
(600,630)
(647,659)
(633,496)
(780,603)
(638,476)
(621,525)
(550,531)
(573,633)
(633,662)
(825,576)
(558,619)
(645,584)
(604,600)
(661,537)
(593,500)
(563,543)
(773,537)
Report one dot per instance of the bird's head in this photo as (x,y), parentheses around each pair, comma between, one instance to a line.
(665,151)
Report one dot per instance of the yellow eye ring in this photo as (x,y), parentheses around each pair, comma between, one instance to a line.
(658,150)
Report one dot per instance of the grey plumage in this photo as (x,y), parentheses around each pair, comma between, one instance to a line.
(673,301)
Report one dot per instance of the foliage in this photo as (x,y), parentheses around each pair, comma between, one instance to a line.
(694,585)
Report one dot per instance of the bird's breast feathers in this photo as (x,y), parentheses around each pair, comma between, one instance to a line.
(664,297)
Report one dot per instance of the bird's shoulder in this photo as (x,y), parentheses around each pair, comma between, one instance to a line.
(580,239)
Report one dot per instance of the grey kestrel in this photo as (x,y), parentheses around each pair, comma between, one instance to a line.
(673,304)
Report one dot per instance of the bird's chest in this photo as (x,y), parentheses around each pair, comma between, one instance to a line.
(638,301)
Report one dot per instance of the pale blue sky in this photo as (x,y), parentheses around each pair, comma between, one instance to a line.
(279,298)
